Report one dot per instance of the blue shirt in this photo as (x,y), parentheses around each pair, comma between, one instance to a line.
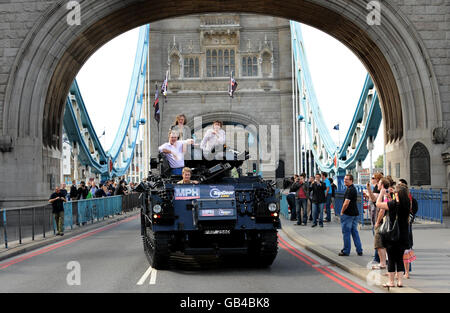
(327,185)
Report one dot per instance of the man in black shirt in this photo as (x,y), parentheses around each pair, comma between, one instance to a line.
(318,189)
(121,190)
(291,197)
(101,192)
(83,191)
(73,191)
(57,200)
(349,218)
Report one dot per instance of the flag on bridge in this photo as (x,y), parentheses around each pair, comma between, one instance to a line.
(164,86)
(336,127)
(232,86)
(156,105)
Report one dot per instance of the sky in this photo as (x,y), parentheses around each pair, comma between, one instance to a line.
(337,74)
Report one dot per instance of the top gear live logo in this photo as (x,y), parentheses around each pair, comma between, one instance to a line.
(216,193)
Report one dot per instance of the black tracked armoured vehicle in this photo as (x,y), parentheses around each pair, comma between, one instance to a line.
(224,215)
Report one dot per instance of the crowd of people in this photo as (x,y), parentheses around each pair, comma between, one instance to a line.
(311,199)
(392,201)
(307,199)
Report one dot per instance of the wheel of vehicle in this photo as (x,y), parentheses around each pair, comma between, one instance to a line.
(156,247)
(263,250)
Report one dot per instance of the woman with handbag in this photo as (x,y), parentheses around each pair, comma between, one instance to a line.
(395,231)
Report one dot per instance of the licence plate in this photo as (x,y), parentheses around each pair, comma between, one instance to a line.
(218,232)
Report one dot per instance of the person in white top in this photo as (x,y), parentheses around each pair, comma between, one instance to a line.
(174,151)
(213,137)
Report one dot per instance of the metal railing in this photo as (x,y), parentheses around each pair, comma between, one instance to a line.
(430,204)
(17,224)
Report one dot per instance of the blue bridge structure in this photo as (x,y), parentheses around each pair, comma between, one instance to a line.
(327,155)
(81,133)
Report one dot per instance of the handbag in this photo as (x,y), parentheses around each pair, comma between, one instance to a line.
(409,256)
(390,233)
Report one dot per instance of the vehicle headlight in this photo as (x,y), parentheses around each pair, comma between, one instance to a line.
(272,207)
(157,208)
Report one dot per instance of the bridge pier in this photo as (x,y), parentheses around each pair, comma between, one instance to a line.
(28,172)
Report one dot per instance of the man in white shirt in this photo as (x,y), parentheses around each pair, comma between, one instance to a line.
(213,137)
(174,151)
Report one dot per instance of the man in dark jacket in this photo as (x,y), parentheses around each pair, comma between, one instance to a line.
(291,197)
(83,191)
(57,200)
(318,188)
(101,192)
(73,191)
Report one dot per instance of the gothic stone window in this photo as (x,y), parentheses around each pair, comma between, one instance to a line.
(174,66)
(191,67)
(249,66)
(220,62)
(266,64)
(420,165)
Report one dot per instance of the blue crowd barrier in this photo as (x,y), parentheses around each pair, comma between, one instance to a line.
(91,209)
(430,202)
(284,206)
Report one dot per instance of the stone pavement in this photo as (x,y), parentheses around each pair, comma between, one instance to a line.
(430,272)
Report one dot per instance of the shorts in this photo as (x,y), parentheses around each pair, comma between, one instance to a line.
(378,244)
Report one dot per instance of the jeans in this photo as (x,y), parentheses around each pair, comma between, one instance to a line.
(177,171)
(328,207)
(349,225)
(291,202)
(302,203)
(317,209)
(376,257)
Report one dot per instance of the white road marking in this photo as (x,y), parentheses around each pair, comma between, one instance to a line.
(144,277)
(153,277)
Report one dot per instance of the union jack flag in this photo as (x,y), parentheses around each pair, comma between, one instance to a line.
(156,105)
(232,86)
(164,85)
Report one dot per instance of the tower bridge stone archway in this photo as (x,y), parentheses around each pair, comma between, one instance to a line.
(407,56)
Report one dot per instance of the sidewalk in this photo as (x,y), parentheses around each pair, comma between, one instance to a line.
(430,272)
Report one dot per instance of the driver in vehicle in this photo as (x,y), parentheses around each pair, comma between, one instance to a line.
(187,173)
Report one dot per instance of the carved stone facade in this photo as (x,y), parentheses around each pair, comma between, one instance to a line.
(202,51)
